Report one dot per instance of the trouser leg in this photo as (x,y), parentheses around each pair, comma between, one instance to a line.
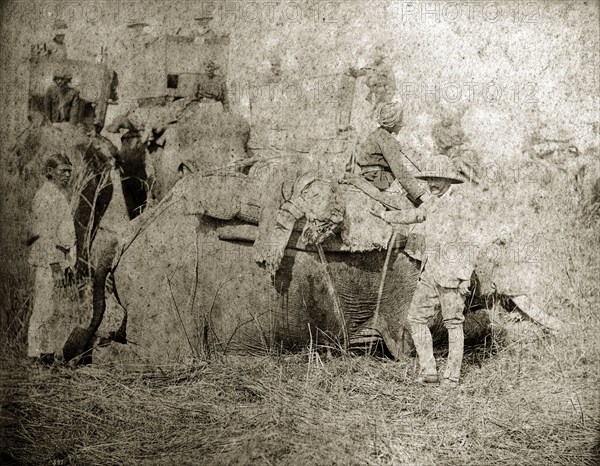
(43,307)
(456,342)
(421,309)
(421,336)
(452,312)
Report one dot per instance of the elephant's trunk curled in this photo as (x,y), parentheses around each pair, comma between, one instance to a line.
(80,340)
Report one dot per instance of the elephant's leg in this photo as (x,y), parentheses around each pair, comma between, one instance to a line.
(83,215)
(80,340)
(421,309)
(93,202)
(134,179)
(135,195)
(120,336)
(102,201)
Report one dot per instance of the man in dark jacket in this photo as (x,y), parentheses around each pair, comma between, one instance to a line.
(380,158)
(61,101)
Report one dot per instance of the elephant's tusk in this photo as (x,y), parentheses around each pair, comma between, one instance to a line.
(524,304)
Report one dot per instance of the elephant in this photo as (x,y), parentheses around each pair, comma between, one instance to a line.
(164,143)
(189,279)
(134,180)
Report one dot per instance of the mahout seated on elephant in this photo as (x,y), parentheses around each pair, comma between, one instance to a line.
(380,159)
(62,102)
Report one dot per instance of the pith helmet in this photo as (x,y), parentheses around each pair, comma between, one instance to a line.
(440,166)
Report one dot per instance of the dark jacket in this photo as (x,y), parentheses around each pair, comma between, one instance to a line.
(61,105)
(380,160)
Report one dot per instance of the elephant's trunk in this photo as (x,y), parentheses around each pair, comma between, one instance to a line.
(80,340)
(98,301)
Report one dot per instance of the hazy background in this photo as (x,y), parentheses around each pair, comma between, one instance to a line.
(517,67)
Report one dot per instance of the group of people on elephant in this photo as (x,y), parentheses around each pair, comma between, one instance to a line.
(380,161)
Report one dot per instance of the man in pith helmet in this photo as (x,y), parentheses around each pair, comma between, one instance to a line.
(446,267)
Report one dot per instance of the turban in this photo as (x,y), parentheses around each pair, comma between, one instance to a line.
(388,115)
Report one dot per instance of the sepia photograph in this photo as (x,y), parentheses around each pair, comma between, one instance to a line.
(300,232)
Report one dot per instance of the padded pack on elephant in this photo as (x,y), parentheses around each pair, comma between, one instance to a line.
(245,264)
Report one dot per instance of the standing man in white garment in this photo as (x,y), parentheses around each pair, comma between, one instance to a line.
(52,256)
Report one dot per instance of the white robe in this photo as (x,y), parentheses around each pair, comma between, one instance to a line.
(53,223)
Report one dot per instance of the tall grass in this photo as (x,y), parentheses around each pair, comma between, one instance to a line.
(520,407)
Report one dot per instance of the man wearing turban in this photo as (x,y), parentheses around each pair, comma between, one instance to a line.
(379,159)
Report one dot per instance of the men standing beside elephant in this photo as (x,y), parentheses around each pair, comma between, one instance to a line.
(52,256)
(446,267)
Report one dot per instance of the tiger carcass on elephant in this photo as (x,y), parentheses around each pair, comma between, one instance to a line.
(189,280)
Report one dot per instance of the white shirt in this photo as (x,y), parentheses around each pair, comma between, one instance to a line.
(449,246)
(53,223)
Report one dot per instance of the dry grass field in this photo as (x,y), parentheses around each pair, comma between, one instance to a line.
(531,403)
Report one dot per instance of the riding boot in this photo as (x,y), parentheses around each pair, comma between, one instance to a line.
(424,345)
(456,343)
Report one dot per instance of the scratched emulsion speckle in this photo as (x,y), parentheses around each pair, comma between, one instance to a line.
(517,67)
(520,79)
